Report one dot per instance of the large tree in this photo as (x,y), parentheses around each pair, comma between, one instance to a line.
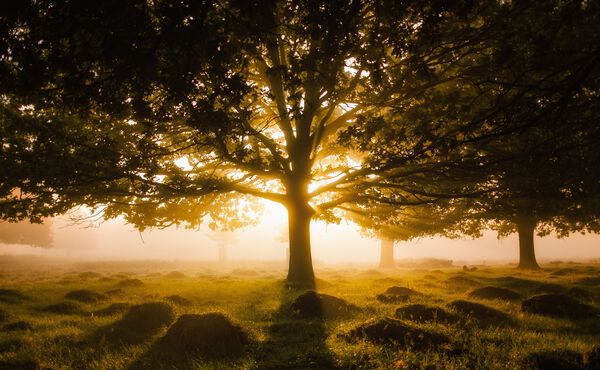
(170,113)
(546,175)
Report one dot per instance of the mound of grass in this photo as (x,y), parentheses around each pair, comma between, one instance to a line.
(175,275)
(479,312)
(591,359)
(317,305)
(550,288)
(178,300)
(113,309)
(581,294)
(559,305)
(461,281)
(85,296)
(555,360)
(388,330)
(142,322)
(492,292)
(130,283)
(22,365)
(590,280)
(12,296)
(244,272)
(89,275)
(64,308)
(423,313)
(209,335)
(564,272)
(517,283)
(397,294)
(17,326)
(113,292)
(3,315)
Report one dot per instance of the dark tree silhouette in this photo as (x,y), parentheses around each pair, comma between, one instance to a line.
(172,113)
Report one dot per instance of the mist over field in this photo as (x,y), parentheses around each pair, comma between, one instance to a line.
(332,245)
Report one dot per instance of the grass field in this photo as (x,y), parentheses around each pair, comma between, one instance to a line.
(38,333)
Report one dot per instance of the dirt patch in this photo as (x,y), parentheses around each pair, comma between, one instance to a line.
(113,309)
(142,322)
(209,335)
(317,305)
(550,288)
(17,326)
(178,300)
(85,296)
(12,296)
(555,360)
(175,275)
(492,292)
(422,313)
(64,308)
(394,331)
(480,312)
(130,283)
(559,305)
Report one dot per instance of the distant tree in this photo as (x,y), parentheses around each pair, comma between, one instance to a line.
(35,235)
(546,176)
(393,224)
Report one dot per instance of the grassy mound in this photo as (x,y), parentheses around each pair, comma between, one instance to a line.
(64,308)
(461,281)
(591,359)
(397,294)
(313,304)
(559,305)
(89,275)
(178,300)
(130,283)
(3,315)
(492,292)
(480,312)
(175,275)
(555,360)
(142,322)
(85,296)
(581,294)
(12,296)
(422,313)
(22,365)
(17,326)
(394,331)
(209,335)
(113,309)
(550,288)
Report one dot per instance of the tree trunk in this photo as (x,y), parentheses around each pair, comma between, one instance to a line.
(526,228)
(300,272)
(386,258)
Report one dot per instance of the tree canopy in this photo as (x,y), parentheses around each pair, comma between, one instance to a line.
(172,113)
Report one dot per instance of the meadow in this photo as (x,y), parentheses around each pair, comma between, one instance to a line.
(198,316)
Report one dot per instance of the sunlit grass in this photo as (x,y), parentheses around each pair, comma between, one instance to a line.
(258,301)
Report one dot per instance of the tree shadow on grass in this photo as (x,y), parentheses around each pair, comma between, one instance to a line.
(294,342)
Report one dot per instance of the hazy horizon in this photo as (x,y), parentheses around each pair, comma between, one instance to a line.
(331,244)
